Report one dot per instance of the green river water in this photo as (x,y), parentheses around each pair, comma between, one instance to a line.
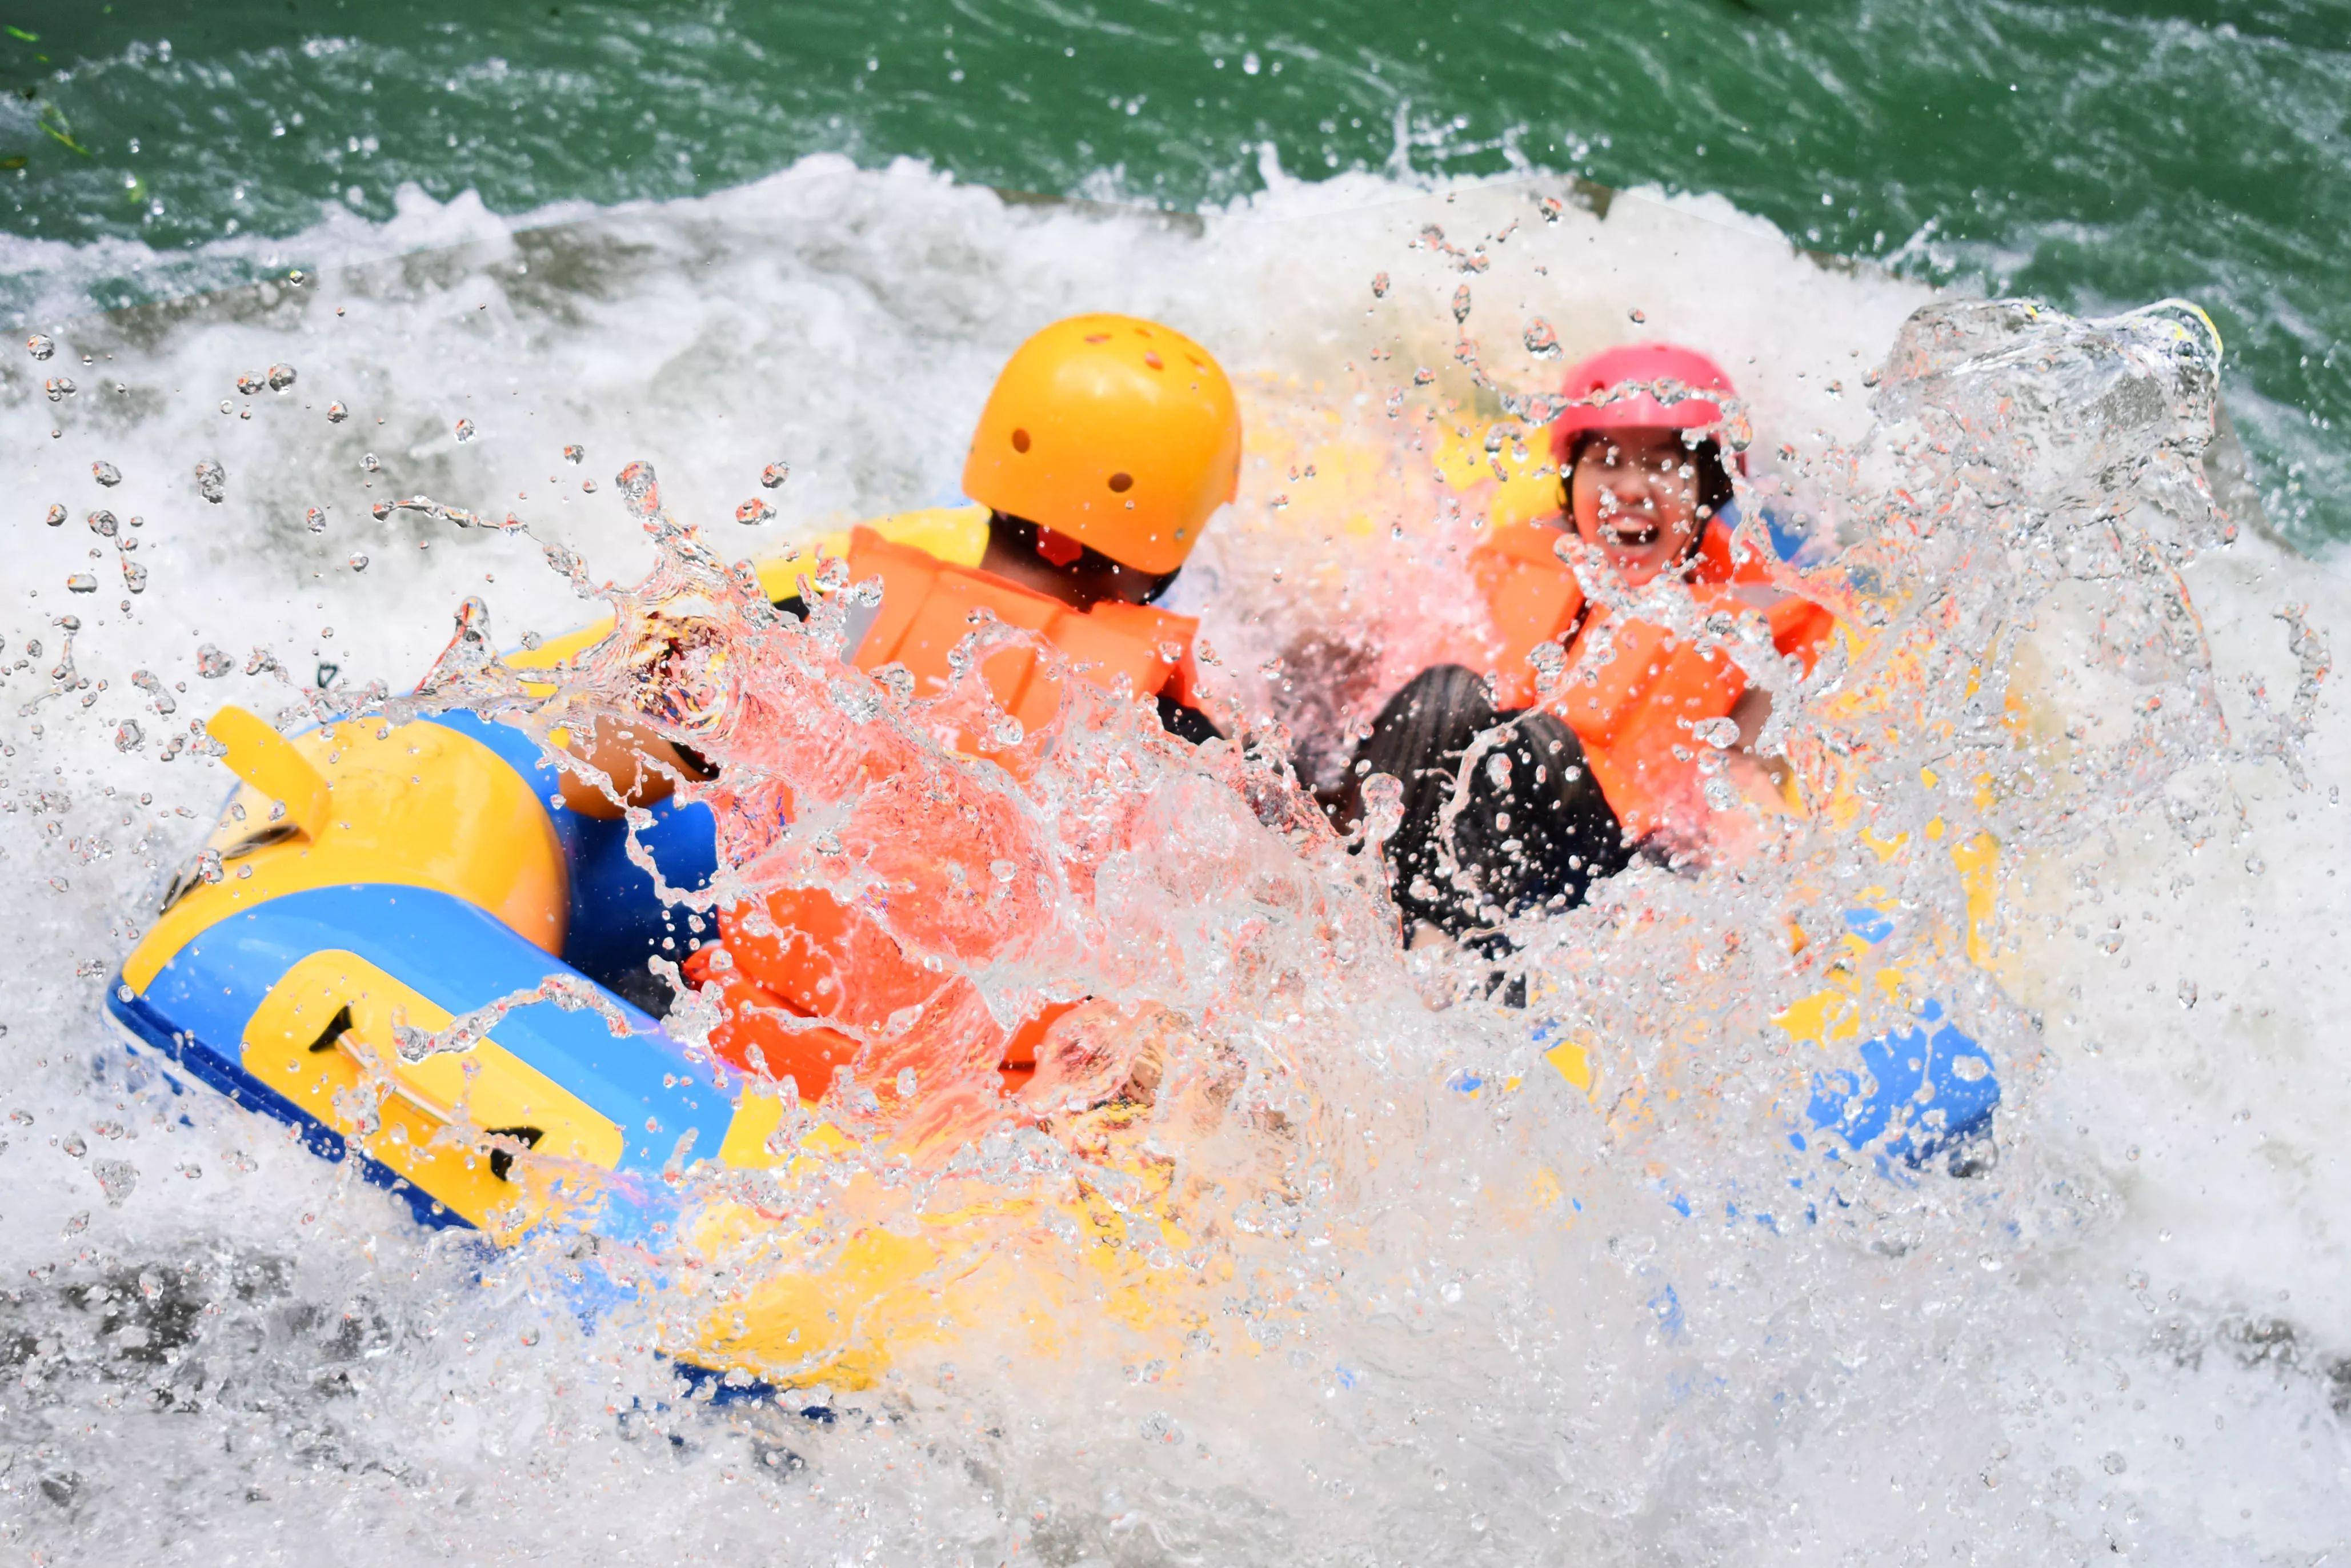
(2096,156)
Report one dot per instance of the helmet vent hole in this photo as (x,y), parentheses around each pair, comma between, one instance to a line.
(1151,358)
(1120,484)
(1020,441)
(1098,337)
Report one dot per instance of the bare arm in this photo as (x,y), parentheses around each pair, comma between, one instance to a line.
(642,767)
(1760,777)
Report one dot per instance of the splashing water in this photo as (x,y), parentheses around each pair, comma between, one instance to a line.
(1277,1260)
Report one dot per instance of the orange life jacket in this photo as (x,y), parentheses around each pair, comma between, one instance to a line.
(1634,704)
(798,956)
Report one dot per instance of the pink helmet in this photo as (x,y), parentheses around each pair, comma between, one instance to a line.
(1645,362)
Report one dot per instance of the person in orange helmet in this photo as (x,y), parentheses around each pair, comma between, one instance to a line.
(1105,447)
(1587,733)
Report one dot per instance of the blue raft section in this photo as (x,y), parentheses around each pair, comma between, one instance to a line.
(1924,1091)
(617,920)
(1915,1094)
(195,1011)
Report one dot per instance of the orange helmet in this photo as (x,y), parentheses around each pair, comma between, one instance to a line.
(1120,432)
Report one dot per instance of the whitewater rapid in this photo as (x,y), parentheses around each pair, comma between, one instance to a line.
(1496,1335)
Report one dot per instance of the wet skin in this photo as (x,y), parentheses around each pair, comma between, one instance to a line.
(1634,494)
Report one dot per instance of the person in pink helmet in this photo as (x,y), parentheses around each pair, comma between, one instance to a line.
(1603,761)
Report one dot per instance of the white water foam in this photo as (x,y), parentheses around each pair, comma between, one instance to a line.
(2121,1340)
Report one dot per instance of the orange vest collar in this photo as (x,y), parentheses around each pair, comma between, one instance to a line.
(926,611)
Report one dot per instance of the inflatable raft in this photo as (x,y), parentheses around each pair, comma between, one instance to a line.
(368,884)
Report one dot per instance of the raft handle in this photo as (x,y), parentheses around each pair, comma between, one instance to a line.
(337,1026)
(502,1160)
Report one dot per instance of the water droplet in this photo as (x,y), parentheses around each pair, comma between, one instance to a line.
(575,454)
(280,377)
(337,414)
(315,519)
(379,511)
(1719,732)
(369,463)
(1541,342)
(57,517)
(1423,376)
(149,682)
(1249,64)
(640,489)
(775,473)
(465,431)
(127,735)
(82,582)
(40,346)
(250,382)
(212,663)
(753,510)
(1640,315)
(58,388)
(1379,286)
(1461,304)
(212,481)
(103,523)
(2186,993)
(359,563)
(106,473)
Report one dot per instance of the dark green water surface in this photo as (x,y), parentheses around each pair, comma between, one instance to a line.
(2094,155)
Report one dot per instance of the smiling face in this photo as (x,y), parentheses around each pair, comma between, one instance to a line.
(1634,494)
